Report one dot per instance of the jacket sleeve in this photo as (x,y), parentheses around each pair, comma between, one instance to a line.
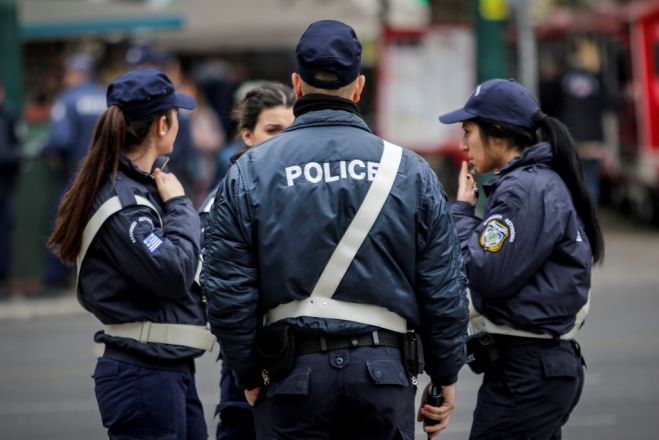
(230,278)
(162,258)
(513,241)
(441,290)
(465,221)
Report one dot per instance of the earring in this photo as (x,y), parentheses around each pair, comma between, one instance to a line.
(162,133)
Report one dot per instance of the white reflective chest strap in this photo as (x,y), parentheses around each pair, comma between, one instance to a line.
(197,274)
(320,303)
(206,209)
(104,212)
(195,336)
(480,324)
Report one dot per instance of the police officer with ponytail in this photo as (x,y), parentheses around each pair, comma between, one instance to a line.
(135,237)
(528,258)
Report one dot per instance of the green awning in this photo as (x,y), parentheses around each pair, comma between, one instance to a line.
(99,27)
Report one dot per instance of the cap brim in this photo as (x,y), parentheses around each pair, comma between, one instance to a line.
(456,116)
(181,100)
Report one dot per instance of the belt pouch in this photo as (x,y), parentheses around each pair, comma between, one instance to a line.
(413,351)
(482,352)
(275,350)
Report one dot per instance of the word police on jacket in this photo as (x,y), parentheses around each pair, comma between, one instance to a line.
(314,172)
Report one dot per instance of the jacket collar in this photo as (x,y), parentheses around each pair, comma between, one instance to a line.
(312,102)
(315,109)
(538,154)
(127,167)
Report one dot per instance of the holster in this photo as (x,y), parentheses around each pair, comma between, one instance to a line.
(275,351)
(413,352)
(482,352)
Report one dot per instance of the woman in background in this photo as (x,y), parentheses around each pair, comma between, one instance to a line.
(265,111)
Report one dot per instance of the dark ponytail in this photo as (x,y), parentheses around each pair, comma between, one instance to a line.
(112,136)
(567,164)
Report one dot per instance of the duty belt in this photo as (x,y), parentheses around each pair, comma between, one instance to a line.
(306,343)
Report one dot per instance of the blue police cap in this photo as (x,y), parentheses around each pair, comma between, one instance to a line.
(498,100)
(331,46)
(144,93)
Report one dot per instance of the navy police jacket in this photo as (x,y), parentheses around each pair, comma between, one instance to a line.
(529,260)
(139,269)
(73,118)
(280,213)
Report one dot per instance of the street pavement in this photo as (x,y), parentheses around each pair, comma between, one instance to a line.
(48,356)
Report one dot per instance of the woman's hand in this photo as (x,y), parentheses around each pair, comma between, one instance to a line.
(168,185)
(467,188)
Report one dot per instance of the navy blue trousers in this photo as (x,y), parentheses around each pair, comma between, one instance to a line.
(531,394)
(145,403)
(361,393)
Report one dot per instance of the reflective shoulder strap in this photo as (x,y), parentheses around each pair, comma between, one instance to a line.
(480,324)
(319,303)
(104,212)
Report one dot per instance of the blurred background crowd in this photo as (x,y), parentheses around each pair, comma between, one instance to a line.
(593,64)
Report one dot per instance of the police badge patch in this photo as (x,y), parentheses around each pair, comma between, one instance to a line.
(493,236)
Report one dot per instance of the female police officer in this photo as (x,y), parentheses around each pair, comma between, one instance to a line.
(136,260)
(264,112)
(529,260)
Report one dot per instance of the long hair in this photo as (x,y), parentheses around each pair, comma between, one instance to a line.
(565,162)
(113,135)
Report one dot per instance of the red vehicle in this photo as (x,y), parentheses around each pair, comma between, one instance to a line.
(627,38)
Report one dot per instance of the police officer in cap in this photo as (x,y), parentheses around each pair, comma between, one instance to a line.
(325,245)
(135,238)
(529,261)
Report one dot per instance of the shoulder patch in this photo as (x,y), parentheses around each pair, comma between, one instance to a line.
(494,236)
(142,225)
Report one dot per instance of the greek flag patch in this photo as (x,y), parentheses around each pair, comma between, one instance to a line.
(152,242)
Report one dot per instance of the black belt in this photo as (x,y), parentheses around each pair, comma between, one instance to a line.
(306,343)
(514,341)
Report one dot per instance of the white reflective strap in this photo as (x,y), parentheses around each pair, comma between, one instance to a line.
(582,314)
(197,275)
(104,212)
(194,336)
(480,324)
(331,308)
(360,226)
(319,304)
(145,202)
(209,204)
